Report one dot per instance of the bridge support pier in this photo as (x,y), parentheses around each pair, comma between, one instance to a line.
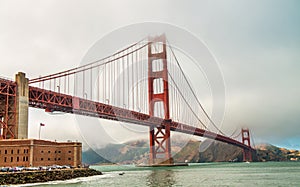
(160,145)
(22,100)
(247,153)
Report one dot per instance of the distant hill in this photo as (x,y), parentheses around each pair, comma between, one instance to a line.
(91,157)
(128,153)
(268,152)
(137,152)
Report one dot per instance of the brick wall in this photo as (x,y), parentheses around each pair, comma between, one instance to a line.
(32,152)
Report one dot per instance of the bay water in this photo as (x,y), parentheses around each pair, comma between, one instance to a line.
(204,174)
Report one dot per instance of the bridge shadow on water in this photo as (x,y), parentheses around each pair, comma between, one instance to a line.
(161,178)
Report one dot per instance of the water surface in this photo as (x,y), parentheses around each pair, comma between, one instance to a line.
(209,174)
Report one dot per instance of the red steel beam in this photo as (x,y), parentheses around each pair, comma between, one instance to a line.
(8,90)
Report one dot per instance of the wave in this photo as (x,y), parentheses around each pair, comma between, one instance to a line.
(69,181)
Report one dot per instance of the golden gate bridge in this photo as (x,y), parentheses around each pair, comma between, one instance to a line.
(143,84)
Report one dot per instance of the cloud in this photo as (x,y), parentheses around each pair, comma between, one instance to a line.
(257,45)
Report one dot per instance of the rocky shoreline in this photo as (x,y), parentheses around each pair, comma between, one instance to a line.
(7,178)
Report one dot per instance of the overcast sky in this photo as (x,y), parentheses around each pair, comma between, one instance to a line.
(256,43)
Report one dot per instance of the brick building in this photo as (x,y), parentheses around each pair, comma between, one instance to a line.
(32,152)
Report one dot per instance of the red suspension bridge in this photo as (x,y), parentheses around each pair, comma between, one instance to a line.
(143,84)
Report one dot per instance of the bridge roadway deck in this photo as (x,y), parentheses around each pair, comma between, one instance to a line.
(54,101)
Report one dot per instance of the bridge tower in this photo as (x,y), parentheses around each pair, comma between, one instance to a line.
(247,154)
(160,146)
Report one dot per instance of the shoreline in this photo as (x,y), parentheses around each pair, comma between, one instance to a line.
(24,177)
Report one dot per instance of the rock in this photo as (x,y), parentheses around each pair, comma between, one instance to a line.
(44,176)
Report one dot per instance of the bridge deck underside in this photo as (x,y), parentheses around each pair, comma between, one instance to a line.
(53,101)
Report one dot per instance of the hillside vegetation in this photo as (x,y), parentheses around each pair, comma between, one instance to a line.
(137,152)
